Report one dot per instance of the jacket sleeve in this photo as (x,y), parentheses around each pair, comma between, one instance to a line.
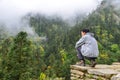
(80,42)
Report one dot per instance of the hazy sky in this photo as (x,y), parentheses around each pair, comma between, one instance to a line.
(12,10)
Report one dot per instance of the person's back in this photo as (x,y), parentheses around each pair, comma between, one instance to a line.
(87,47)
(90,47)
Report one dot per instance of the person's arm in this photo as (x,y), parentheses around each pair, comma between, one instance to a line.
(80,42)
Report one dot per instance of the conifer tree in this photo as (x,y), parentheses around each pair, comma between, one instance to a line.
(18,62)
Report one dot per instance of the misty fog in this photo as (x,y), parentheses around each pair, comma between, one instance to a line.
(11,11)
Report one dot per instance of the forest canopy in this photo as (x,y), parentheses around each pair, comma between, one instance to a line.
(50,55)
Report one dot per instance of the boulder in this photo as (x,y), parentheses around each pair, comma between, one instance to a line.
(99,72)
(102,66)
(116,77)
(80,68)
(77,72)
(107,73)
(116,63)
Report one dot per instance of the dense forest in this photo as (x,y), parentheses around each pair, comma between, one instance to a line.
(50,55)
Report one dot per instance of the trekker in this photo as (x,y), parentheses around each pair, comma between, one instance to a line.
(87,48)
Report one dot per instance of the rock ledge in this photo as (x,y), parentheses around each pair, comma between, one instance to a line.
(100,72)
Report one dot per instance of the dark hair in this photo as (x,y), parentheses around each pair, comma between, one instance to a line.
(85,30)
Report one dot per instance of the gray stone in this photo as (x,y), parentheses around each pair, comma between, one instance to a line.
(116,63)
(74,78)
(99,72)
(116,77)
(101,66)
(117,70)
(77,72)
(92,76)
(80,68)
(103,72)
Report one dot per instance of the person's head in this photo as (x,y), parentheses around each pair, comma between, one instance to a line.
(84,31)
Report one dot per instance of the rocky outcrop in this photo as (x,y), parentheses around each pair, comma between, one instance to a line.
(100,72)
(116,77)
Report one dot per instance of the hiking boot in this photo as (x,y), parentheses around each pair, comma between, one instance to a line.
(93,64)
(81,63)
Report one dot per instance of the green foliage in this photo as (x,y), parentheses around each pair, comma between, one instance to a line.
(42,76)
(17,63)
(24,59)
(114,47)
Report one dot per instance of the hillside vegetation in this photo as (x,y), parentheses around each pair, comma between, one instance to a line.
(25,59)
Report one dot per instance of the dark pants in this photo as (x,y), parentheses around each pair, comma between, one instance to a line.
(81,57)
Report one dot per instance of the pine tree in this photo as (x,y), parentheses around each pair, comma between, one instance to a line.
(18,62)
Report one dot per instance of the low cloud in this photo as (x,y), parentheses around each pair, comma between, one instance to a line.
(11,11)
